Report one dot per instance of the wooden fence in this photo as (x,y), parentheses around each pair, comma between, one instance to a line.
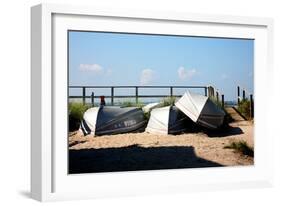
(244,97)
(208,91)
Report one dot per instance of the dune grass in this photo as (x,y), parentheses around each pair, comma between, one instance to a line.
(75,114)
(167,101)
(131,103)
(241,147)
(244,107)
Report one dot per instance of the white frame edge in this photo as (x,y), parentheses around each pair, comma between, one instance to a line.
(41,76)
(40,102)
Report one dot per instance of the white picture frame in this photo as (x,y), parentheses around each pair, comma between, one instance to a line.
(49,179)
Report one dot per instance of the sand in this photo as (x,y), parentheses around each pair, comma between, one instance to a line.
(138,151)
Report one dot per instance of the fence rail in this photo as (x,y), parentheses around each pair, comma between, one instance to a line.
(207,91)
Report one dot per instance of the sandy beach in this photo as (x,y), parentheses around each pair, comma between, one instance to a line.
(142,151)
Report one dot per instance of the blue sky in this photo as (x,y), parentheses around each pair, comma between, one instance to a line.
(97,58)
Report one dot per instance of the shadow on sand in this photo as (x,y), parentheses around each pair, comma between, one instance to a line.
(135,158)
(224,132)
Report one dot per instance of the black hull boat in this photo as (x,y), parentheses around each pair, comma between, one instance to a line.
(109,120)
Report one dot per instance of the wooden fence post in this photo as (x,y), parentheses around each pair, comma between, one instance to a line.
(238,94)
(211,92)
(244,94)
(251,106)
(222,100)
(112,96)
(137,95)
(206,92)
(84,94)
(93,98)
(171,91)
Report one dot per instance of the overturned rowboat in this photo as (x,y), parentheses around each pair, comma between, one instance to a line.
(201,109)
(108,120)
(168,120)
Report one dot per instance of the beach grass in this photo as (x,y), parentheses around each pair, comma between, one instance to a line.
(241,147)
(75,113)
(167,101)
(244,107)
(131,103)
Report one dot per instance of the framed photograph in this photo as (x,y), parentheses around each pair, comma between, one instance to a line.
(138,102)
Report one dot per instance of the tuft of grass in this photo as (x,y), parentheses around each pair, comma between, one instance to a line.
(241,147)
(167,101)
(244,107)
(75,114)
(131,103)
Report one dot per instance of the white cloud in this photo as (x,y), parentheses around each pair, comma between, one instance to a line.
(95,68)
(147,76)
(186,73)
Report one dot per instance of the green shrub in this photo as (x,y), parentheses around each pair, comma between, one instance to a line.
(244,107)
(167,101)
(131,103)
(75,114)
(241,147)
